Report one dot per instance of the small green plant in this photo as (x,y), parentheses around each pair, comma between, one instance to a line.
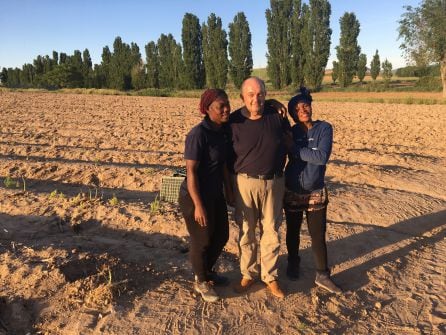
(24,183)
(59,195)
(155,206)
(77,199)
(114,200)
(9,182)
(53,194)
(92,195)
(149,171)
(302,327)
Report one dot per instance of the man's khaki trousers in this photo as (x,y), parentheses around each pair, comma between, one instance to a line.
(259,202)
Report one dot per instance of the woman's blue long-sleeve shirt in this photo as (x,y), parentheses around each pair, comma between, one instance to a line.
(305,171)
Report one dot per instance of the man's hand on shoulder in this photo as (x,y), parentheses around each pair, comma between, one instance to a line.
(277,106)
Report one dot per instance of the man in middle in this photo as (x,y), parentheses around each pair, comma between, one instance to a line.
(259,158)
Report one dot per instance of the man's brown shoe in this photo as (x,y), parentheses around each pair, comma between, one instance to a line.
(275,289)
(244,285)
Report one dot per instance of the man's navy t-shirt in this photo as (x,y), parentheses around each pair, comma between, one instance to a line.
(209,146)
(258,144)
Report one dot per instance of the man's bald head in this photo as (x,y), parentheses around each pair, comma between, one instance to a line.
(253,80)
(253,95)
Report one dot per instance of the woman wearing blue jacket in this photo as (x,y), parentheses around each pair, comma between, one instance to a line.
(305,187)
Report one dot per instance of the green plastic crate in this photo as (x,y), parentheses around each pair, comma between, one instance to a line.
(170,188)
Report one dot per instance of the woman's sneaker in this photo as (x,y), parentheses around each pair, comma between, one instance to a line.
(323,280)
(206,291)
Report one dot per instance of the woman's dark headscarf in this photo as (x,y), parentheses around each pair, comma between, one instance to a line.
(209,96)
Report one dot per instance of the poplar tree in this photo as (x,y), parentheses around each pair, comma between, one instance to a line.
(48,64)
(240,49)
(135,54)
(26,75)
(99,79)
(75,60)
(23,78)
(362,67)
(335,72)
(152,65)
(137,69)
(348,49)
(168,61)
(12,77)
(102,72)
(16,77)
(87,68)
(316,39)
(62,58)
(4,76)
(38,64)
(120,65)
(106,55)
(138,76)
(297,52)
(215,53)
(55,58)
(192,52)
(387,71)
(178,67)
(375,66)
(278,19)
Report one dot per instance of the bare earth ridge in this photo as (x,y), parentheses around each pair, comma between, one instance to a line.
(82,251)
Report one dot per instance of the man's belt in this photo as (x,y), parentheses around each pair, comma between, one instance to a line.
(262,176)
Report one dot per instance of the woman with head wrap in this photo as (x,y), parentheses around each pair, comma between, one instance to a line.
(305,187)
(202,200)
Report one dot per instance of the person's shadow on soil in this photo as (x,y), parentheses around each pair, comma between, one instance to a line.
(419,232)
(90,255)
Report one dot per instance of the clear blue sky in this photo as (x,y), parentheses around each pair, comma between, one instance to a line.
(37,27)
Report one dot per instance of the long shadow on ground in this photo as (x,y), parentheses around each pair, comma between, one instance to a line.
(400,239)
(90,255)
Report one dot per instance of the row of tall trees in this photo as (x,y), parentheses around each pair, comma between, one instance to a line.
(201,60)
(298,49)
(298,40)
(422,30)
(361,69)
(350,61)
(68,70)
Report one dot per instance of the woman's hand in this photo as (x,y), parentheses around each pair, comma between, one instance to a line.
(200,216)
